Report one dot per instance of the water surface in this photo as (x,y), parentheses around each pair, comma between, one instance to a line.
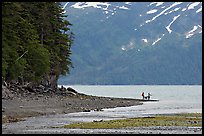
(172,99)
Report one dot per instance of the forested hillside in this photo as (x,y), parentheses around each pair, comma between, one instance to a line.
(131,43)
(36,42)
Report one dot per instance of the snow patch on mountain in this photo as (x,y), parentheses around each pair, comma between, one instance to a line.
(176,3)
(172,11)
(200,28)
(157,3)
(128,3)
(123,7)
(193,31)
(194,4)
(145,40)
(129,46)
(82,5)
(168,27)
(158,39)
(184,9)
(65,5)
(199,10)
(152,11)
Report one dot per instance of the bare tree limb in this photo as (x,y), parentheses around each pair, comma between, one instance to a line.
(21,55)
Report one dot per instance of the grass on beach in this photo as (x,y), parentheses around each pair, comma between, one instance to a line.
(184,119)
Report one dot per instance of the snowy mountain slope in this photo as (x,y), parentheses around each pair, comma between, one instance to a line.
(136,34)
(154,11)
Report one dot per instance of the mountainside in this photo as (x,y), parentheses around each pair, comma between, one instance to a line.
(135,43)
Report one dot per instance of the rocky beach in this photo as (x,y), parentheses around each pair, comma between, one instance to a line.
(39,110)
(19,104)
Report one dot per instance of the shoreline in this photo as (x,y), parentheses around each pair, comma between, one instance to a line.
(20,107)
(54,125)
(54,107)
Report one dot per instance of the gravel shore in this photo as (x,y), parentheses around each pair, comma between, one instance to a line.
(19,107)
(136,130)
(38,113)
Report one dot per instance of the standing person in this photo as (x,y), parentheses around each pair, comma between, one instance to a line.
(142,95)
(148,96)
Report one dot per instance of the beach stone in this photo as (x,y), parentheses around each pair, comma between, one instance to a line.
(98,109)
(72,93)
(40,95)
(87,110)
(6,93)
(72,90)
(3,109)
(36,98)
(97,120)
(40,87)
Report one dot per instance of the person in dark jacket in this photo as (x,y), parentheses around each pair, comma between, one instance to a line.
(142,95)
(148,96)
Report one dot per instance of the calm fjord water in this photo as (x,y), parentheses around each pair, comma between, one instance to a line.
(172,98)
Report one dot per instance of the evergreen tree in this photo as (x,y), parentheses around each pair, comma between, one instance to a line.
(35,41)
(23,56)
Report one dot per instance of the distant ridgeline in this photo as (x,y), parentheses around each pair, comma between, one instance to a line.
(36,42)
(135,43)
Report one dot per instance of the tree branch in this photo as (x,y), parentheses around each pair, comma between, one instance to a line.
(21,55)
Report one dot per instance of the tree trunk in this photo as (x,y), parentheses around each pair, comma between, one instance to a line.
(50,81)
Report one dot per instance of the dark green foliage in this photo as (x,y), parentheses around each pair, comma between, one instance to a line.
(35,41)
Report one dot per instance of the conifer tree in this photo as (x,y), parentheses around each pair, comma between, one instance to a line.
(36,41)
